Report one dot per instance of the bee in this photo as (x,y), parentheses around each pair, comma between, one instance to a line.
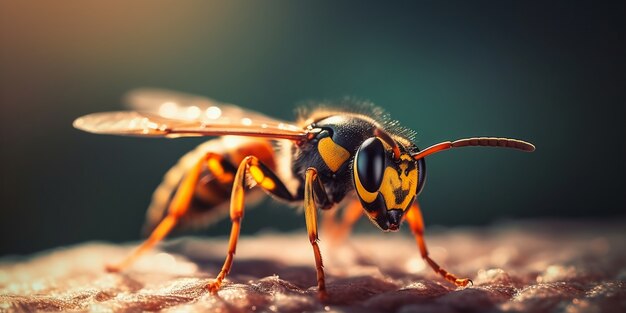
(356,158)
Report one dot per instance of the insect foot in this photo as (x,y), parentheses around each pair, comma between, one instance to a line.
(463,282)
(213,287)
(323,295)
(111,268)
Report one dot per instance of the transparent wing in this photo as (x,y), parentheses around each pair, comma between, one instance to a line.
(183,106)
(131,123)
(161,113)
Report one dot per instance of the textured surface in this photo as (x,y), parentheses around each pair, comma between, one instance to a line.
(533,267)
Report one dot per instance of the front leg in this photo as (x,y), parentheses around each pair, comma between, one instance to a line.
(312,183)
(416,222)
(338,231)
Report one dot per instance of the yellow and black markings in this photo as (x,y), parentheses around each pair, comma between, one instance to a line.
(333,154)
(400,183)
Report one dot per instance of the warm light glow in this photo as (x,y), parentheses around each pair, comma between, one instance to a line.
(246,121)
(193,112)
(168,109)
(166,263)
(213,112)
(152,125)
(132,123)
(232,142)
(165,260)
(414,265)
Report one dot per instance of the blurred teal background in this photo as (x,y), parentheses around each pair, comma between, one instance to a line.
(552,73)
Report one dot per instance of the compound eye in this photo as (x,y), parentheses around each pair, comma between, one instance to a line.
(370,163)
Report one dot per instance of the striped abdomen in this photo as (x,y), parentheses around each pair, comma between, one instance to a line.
(212,193)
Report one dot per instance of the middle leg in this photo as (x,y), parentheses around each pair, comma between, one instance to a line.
(338,231)
(252,168)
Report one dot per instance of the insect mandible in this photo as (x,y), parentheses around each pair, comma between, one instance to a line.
(333,156)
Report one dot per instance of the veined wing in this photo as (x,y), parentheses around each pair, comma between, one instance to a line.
(131,123)
(161,113)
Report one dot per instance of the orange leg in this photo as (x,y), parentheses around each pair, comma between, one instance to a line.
(416,222)
(338,232)
(310,214)
(351,214)
(329,222)
(177,208)
(265,179)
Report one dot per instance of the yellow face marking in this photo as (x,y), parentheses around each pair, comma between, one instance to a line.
(398,190)
(333,154)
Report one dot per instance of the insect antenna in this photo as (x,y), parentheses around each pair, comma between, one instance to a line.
(476,142)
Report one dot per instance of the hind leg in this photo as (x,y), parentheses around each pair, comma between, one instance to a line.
(177,207)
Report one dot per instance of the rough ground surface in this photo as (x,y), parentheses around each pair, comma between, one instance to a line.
(529,267)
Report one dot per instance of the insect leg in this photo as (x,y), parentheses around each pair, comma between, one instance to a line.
(339,231)
(329,222)
(416,222)
(310,214)
(177,208)
(252,168)
(351,214)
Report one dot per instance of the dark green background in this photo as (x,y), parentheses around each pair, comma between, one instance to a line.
(551,73)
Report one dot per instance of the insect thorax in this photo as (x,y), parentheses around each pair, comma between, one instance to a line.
(331,152)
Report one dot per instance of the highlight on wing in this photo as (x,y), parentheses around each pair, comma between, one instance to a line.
(161,113)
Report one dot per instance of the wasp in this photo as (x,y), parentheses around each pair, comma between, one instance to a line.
(352,156)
